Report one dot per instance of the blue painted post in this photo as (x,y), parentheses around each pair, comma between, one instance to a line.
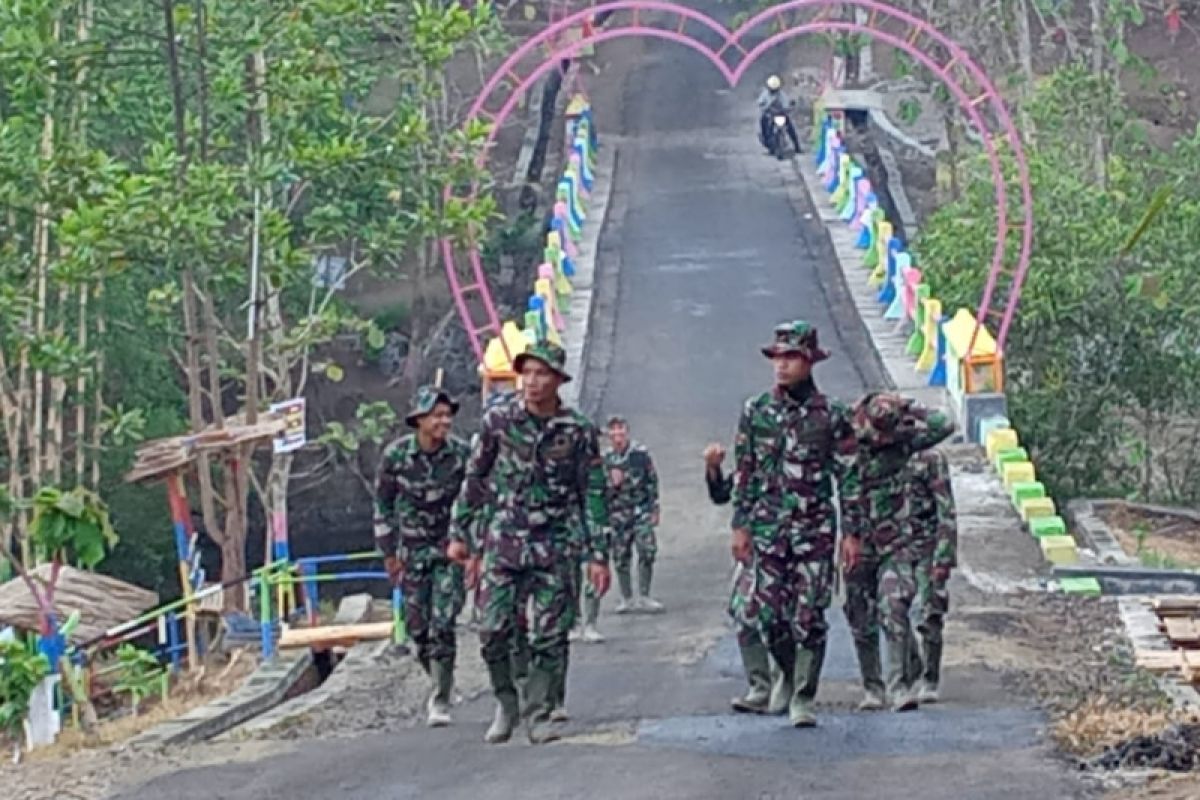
(264,616)
(173,645)
(938,376)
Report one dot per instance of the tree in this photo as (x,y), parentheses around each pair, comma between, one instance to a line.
(1102,368)
(21,670)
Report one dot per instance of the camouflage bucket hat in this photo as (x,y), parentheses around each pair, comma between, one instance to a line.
(424,400)
(549,354)
(796,337)
(877,416)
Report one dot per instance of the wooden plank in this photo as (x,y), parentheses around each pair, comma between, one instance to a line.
(1160,661)
(1182,631)
(1191,665)
(1177,606)
(328,635)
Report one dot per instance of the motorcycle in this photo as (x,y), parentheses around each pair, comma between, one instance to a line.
(777,136)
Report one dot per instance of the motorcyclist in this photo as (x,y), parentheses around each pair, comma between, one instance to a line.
(771,100)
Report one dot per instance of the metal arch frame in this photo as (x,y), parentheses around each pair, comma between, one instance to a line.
(744,58)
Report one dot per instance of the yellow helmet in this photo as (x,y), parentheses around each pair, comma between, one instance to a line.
(773,83)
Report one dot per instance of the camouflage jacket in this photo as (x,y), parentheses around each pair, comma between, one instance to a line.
(636,496)
(935,523)
(534,478)
(881,500)
(414,492)
(787,465)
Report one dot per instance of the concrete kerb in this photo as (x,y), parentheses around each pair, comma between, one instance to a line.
(578,321)
(264,689)
(361,658)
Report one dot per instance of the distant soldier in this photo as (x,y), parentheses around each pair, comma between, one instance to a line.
(877,502)
(538,464)
(788,442)
(770,691)
(419,476)
(634,514)
(937,548)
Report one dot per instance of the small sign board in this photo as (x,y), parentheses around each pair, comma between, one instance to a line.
(294,434)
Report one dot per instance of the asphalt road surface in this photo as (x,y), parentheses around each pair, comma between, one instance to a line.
(702,254)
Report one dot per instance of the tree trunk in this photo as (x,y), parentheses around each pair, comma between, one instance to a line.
(1025,54)
(41,238)
(1099,146)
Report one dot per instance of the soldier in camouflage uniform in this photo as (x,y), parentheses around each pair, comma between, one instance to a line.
(936,530)
(769,691)
(878,513)
(634,513)
(539,464)
(419,477)
(788,443)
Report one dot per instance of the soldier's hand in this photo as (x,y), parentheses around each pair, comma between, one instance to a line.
(851,552)
(457,552)
(474,570)
(941,574)
(654,519)
(599,577)
(714,454)
(395,569)
(742,546)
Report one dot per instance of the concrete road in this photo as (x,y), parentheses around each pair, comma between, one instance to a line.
(703,253)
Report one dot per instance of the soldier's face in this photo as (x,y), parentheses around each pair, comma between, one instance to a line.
(436,424)
(619,436)
(541,383)
(790,369)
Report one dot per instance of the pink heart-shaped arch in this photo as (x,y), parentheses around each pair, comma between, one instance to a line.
(731,41)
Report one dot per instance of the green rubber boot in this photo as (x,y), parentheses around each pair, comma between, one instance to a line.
(756,663)
(806,676)
(872,675)
(442,672)
(537,714)
(508,706)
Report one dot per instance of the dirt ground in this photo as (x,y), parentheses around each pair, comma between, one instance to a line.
(1165,539)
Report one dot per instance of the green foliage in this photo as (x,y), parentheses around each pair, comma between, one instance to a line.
(21,670)
(356,138)
(72,525)
(138,674)
(1103,368)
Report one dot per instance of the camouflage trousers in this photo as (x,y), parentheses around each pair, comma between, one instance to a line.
(743,607)
(792,592)
(880,593)
(433,597)
(509,583)
(630,534)
(932,602)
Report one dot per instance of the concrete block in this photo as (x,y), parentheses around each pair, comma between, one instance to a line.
(990,424)
(978,407)
(1017,472)
(1088,587)
(1000,439)
(1027,490)
(1042,527)
(1059,549)
(1035,508)
(1008,455)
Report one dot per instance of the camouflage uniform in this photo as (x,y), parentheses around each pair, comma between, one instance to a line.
(632,508)
(544,479)
(414,493)
(936,545)
(769,689)
(786,452)
(877,505)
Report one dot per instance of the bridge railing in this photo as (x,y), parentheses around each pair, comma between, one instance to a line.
(955,351)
